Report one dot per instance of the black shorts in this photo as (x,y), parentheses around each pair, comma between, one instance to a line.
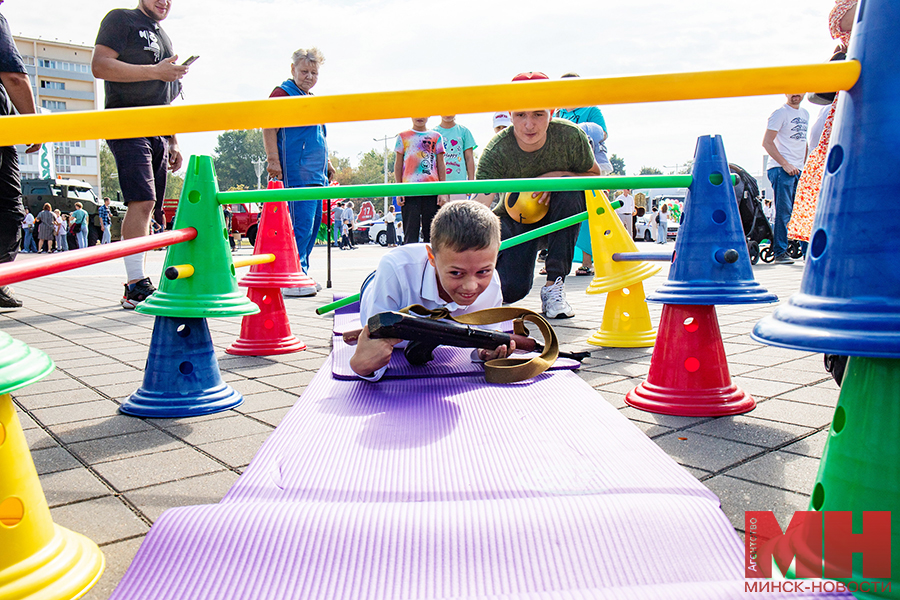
(142,165)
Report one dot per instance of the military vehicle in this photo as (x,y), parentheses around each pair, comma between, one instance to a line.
(63,194)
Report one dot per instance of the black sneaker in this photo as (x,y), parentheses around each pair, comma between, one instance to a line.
(136,294)
(783,259)
(7,299)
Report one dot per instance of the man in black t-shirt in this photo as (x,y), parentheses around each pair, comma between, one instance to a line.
(15,96)
(134,56)
(538,146)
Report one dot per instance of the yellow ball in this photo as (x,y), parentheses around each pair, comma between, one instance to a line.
(524,208)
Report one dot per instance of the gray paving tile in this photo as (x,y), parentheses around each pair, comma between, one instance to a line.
(53,459)
(266,401)
(704,452)
(786,373)
(59,398)
(102,427)
(664,420)
(651,430)
(750,430)
(38,439)
(762,388)
(738,496)
(124,446)
(785,411)
(226,427)
(286,382)
(265,371)
(71,413)
(792,472)
(118,521)
(118,557)
(203,489)
(813,446)
(48,385)
(272,417)
(151,469)
(815,394)
(73,485)
(132,376)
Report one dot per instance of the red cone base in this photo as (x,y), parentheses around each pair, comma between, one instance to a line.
(688,372)
(269,332)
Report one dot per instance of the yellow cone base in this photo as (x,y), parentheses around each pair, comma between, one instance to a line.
(625,274)
(626,320)
(67,567)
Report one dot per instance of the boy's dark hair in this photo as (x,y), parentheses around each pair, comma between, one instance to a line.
(464,225)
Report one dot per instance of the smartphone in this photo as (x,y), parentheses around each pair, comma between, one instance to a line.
(190,61)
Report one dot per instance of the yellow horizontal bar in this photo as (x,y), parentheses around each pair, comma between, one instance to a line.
(255,259)
(312,110)
(179,272)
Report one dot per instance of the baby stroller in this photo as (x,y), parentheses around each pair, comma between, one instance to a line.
(756,226)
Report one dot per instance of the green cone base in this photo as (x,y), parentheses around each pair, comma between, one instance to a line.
(162,304)
(20,365)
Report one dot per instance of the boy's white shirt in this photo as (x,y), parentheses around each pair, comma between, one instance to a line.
(405,276)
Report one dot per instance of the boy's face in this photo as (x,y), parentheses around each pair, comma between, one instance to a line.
(463,276)
(531,127)
(420,123)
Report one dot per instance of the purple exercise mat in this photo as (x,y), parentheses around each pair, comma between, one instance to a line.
(460,439)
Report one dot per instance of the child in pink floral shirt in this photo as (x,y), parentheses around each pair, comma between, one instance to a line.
(420,158)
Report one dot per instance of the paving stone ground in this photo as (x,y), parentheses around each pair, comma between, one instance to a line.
(110,476)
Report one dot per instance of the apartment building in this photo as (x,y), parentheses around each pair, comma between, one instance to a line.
(61,80)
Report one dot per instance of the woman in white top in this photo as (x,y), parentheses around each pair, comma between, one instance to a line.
(389,219)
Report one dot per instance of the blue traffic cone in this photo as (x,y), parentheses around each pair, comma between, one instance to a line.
(849,299)
(711,264)
(182,376)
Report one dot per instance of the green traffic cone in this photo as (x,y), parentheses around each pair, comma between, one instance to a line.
(20,365)
(860,470)
(212,290)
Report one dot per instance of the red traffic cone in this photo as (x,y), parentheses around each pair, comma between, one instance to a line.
(688,372)
(268,332)
(276,236)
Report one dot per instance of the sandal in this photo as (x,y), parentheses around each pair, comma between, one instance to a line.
(583,272)
(543,271)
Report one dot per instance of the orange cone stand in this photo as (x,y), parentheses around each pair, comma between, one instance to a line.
(38,559)
(608,236)
(688,372)
(276,236)
(268,332)
(626,320)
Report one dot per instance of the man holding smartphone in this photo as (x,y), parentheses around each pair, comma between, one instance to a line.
(134,56)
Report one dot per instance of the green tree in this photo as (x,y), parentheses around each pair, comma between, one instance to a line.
(371,167)
(687,168)
(174,183)
(109,176)
(650,171)
(618,165)
(234,155)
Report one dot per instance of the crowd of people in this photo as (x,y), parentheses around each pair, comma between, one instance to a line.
(135,58)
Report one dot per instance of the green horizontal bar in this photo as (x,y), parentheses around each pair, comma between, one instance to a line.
(337,304)
(480,186)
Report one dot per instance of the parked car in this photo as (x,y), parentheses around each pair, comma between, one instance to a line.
(375,231)
(244,217)
(645,228)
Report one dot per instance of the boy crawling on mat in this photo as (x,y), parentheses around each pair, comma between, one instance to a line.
(456,271)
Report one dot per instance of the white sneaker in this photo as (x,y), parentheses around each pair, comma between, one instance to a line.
(553,301)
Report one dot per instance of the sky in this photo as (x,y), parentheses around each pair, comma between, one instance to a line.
(386,45)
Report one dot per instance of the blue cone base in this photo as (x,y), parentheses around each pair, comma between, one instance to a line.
(833,326)
(182,377)
(710,293)
(147,403)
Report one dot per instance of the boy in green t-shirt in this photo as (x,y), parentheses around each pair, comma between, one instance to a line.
(538,146)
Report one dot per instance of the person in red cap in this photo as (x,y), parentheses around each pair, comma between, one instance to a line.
(537,145)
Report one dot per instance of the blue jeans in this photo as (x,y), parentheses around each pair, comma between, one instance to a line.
(29,245)
(784,186)
(338,226)
(106,235)
(305,218)
(82,236)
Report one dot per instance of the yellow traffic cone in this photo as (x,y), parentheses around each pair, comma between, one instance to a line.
(39,560)
(626,320)
(608,236)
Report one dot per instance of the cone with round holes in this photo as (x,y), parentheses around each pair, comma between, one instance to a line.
(711,264)
(38,559)
(276,236)
(182,377)
(626,320)
(608,236)
(212,291)
(268,332)
(688,371)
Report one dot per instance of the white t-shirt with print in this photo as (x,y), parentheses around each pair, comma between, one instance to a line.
(791,125)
